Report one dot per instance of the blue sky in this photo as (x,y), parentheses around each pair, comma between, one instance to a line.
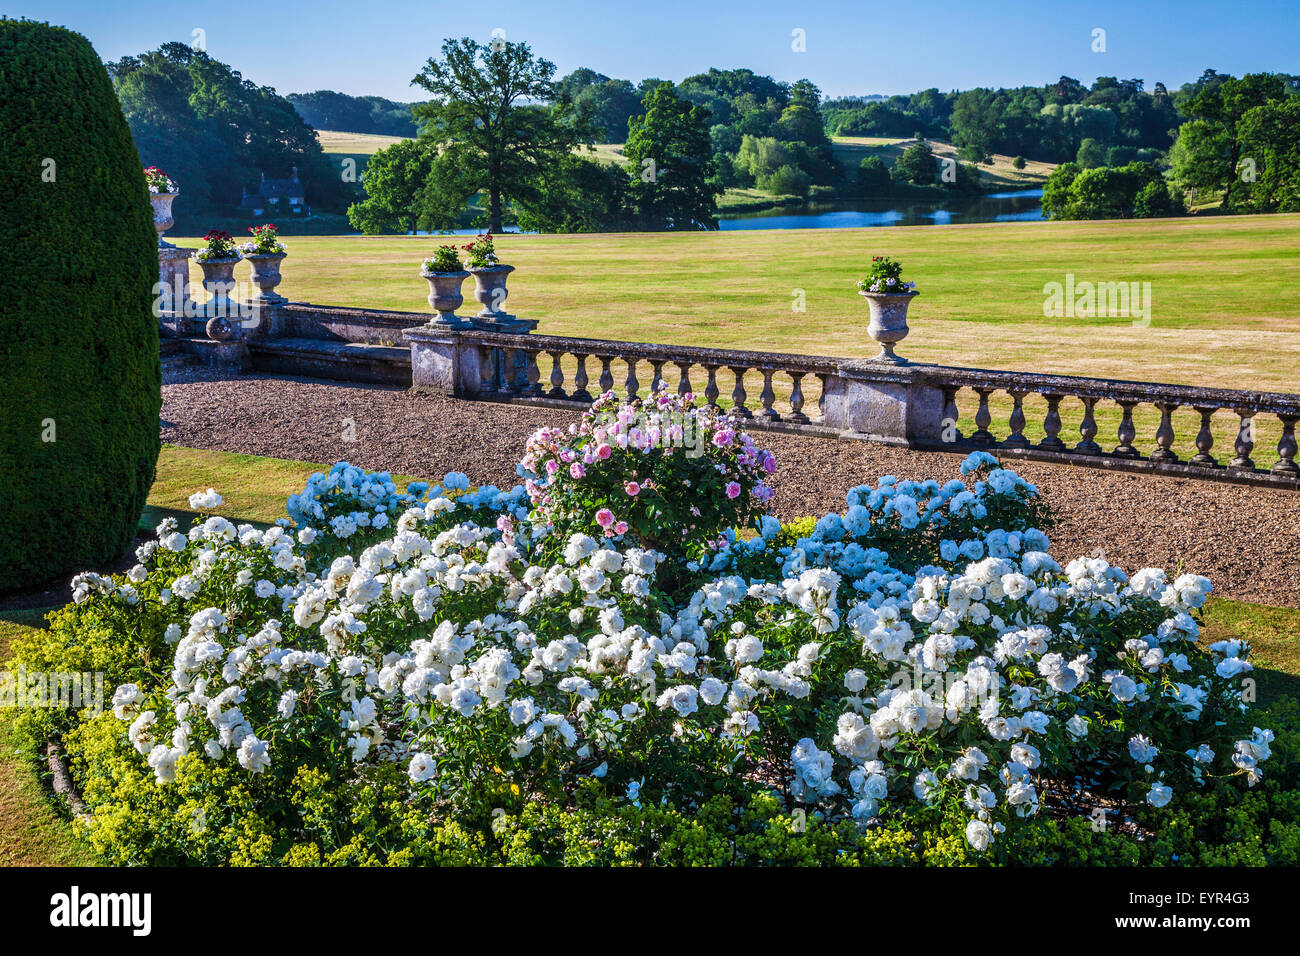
(376,46)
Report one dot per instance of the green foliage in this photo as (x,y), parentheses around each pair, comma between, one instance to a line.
(444,259)
(786,181)
(1270,141)
(917,165)
(79,380)
(886,275)
(326,109)
(216,133)
(873,177)
(1134,190)
(1231,120)
(492,120)
(579,195)
(1091,154)
(394,179)
(671,161)
(608,104)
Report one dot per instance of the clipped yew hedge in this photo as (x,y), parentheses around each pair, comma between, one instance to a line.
(79,365)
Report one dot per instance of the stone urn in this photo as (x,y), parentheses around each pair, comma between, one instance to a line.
(888,322)
(490,292)
(219,280)
(266,276)
(162,215)
(445,296)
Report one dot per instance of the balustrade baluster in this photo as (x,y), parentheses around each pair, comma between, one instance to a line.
(530,371)
(983,419)
(632,384)
(684,383)
(1286,447)
(1204,439)
(507,374)
(950,414)
(821,398)
(580,392)
(767,397)
(487,366)
(657,380)
(1165,433)
(711,389)
(1017,439)
(557,376)
(1088,429)
(1052,424)
(1245,442)
(796,399)
(738,394)
(1127,432)
(606,374)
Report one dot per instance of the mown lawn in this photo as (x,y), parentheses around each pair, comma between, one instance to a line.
(1225,310)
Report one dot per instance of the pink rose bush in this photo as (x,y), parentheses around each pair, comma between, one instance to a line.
(666,471)
(919,657)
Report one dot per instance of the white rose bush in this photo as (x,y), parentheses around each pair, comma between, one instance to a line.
(627,653)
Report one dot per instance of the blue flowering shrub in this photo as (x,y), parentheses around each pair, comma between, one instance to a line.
(916,680)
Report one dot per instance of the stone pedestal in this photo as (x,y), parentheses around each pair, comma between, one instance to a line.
(438,363)
(173,293)
(885,403)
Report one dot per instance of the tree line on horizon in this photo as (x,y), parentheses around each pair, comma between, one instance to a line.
(684,143)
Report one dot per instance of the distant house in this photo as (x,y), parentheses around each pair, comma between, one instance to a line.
(277,195)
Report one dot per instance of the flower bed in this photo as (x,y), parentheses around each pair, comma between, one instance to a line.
(626,661)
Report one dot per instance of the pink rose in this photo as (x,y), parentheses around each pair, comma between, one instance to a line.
(733,489)
(769,463)
(604,517)
(552,466)
(620,528)
(722,438)
(604,451)
(576,470)
(632,488)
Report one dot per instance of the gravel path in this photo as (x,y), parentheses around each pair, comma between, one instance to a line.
(1243,538)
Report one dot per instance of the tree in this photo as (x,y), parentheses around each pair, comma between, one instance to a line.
(79,384)
(1091,154)
(490,115)
(976,116)
(326,109)
(1270,141)
(580,195)
(215,132)
(873,177)
(394,179)
(1211,159)
(1056,191)
(786,181)
(671,161)
(917,165)
(1136,189)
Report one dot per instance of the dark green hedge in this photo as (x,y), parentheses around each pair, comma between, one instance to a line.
(78,338)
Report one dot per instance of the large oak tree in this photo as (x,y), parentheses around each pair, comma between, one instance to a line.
(497,121)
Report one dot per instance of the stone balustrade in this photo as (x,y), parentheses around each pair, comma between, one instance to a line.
(911,405)
(1088,395)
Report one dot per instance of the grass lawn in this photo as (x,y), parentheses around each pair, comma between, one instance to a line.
(34,831)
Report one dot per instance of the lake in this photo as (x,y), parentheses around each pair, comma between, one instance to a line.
(1024,205)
